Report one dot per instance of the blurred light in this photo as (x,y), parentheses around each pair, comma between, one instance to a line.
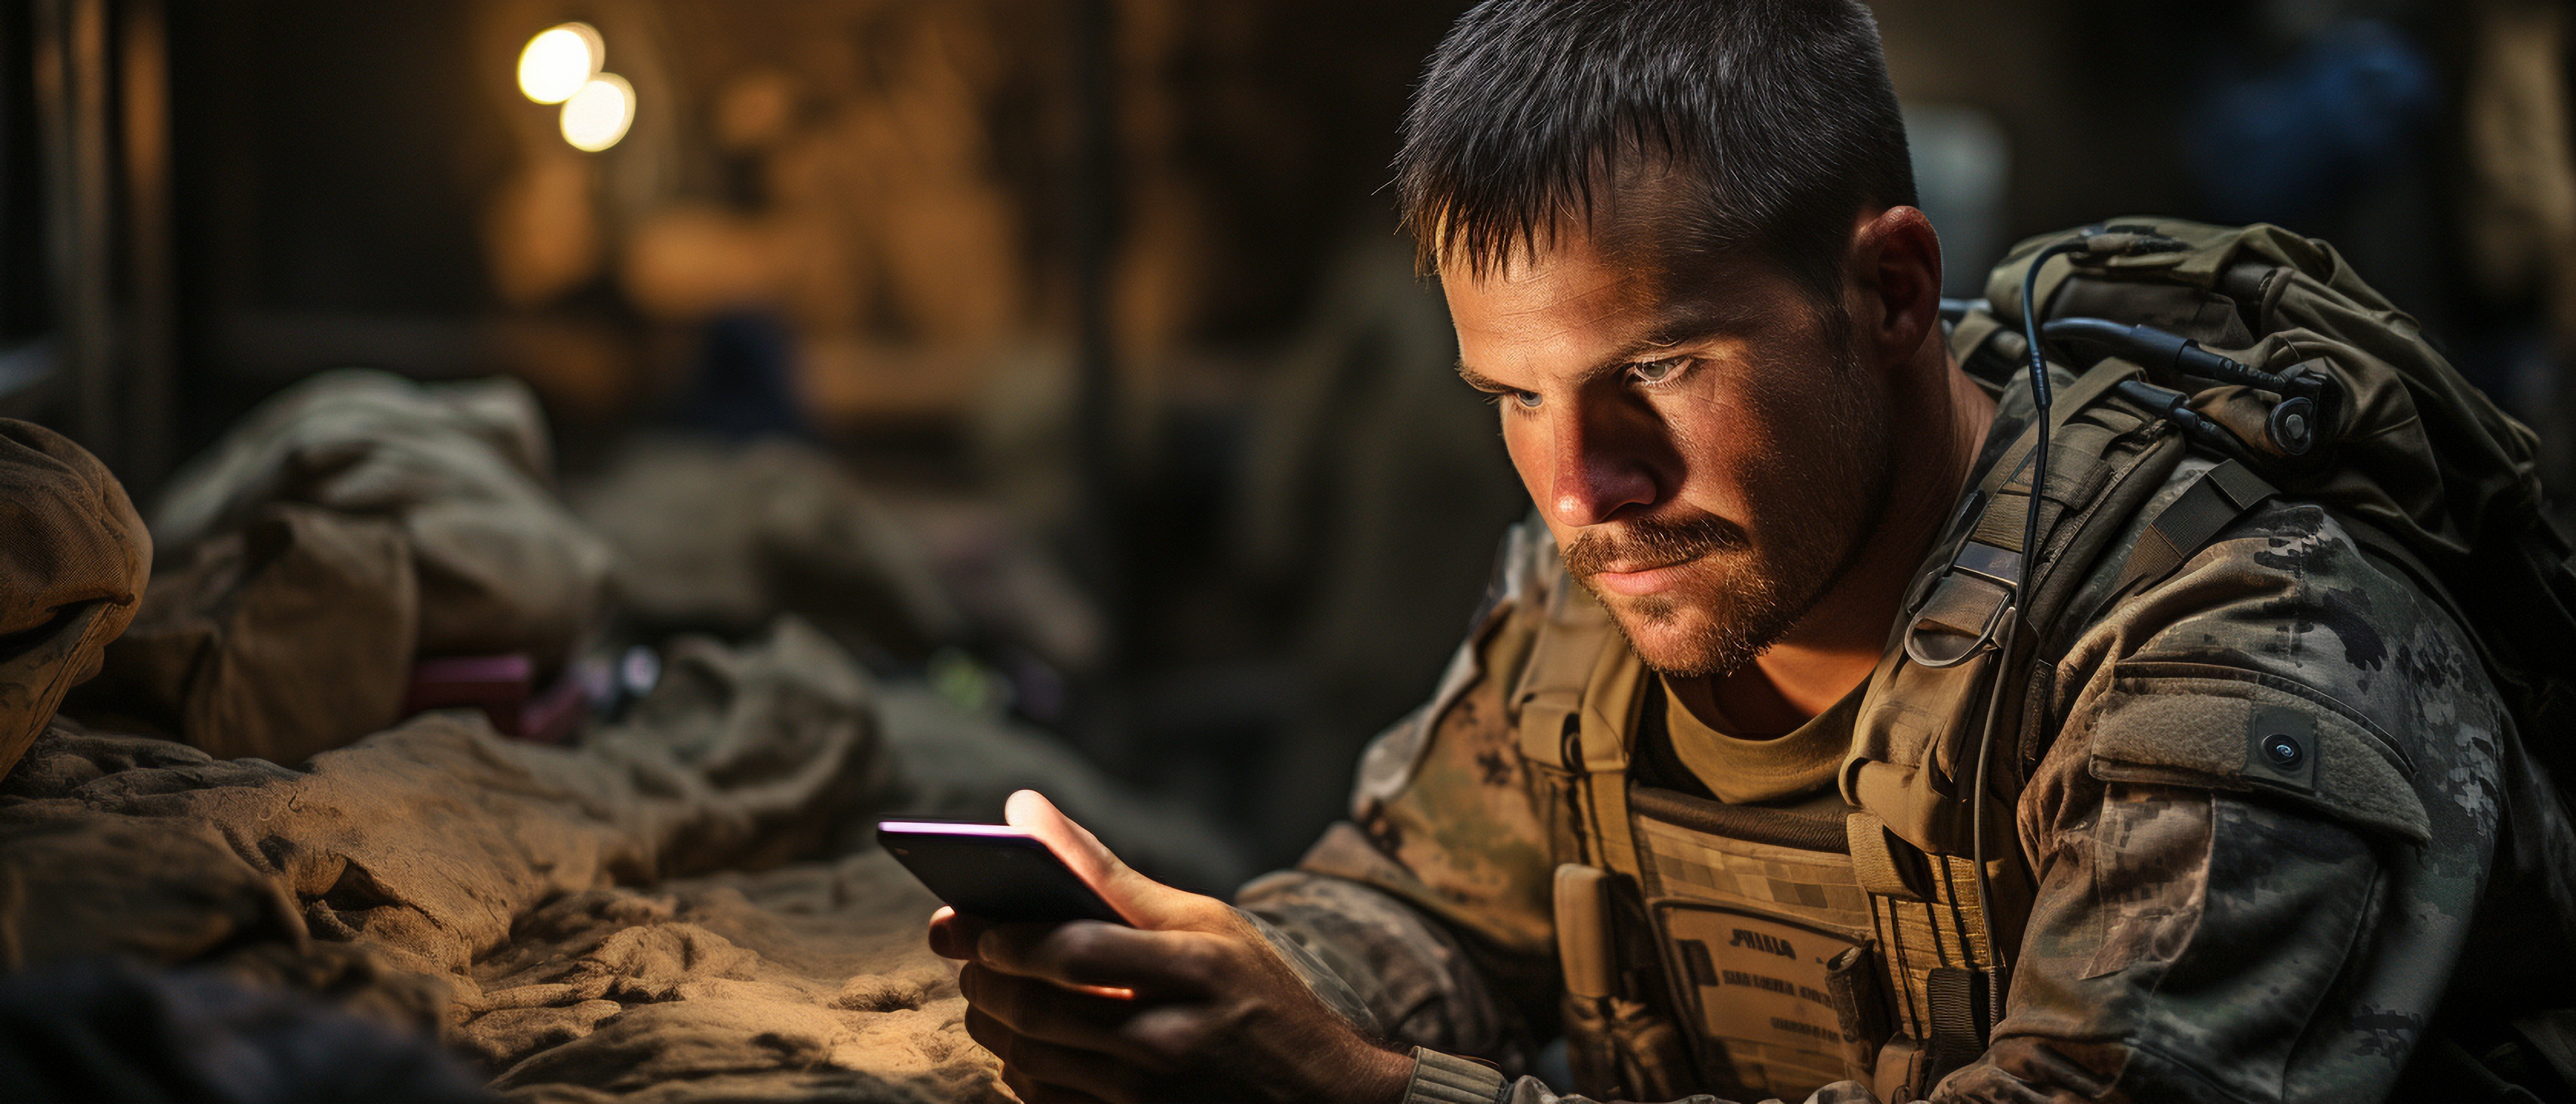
(598,115)
(557,62)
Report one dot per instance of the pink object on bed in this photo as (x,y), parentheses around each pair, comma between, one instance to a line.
(503,687)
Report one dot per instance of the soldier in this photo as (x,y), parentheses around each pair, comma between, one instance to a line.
(1771,768)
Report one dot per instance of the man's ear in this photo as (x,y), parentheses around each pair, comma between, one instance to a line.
(1896,262)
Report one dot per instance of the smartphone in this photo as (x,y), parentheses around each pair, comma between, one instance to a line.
(993,871)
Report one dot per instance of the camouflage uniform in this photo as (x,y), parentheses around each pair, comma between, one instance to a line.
(2196,933)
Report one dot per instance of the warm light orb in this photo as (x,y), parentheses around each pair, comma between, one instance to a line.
(598,115)
(559,61)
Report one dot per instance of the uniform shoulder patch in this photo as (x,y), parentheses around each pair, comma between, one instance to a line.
(2228,728)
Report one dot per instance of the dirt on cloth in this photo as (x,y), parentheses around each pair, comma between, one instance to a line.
(684,904)
(579,920)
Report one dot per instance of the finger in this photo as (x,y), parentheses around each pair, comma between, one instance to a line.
(1041,1011)
(1092,955)
(1011,1048)
(990,1033)
(937,931)
(1145,902)
(953,935)
(1091,1074)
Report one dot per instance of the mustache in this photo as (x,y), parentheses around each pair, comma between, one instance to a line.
(1652,543)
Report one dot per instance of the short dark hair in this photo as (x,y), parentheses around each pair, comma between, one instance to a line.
(1775,118)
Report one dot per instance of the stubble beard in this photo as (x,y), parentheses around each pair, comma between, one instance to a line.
(1750,594)
(1742,601)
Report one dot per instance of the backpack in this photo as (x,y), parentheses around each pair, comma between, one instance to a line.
(2267,349)
(2404,443)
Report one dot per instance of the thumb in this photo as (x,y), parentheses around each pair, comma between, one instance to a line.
(1145,902)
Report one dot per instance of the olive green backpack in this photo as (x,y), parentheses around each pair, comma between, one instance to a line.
(2265,348)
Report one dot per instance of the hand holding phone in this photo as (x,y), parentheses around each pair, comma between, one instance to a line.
(1190,1002)
(993,872)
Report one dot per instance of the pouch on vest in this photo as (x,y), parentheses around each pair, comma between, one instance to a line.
(1768,940)
(1618,1047)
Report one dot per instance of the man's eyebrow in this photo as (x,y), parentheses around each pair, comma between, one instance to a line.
(1678,325)
(1479,380)
(1696,320)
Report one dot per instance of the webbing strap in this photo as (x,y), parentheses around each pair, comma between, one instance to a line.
(1548,699)
(1879,867)
(1448,1079)
(2007,484)
(1957,999)
(2211,504)
(1962,604)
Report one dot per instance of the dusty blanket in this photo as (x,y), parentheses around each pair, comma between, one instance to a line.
(350,525)
(685,906)
(495,890)
(72,567)
(612,920)
(710,537)
(808,982)
(718,538)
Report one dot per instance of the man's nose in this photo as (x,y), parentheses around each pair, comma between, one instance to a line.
(1595,470)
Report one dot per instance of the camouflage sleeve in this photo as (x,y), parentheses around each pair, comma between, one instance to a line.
(1442,1079)
(1412,981)
(2259,835)
(1432,903)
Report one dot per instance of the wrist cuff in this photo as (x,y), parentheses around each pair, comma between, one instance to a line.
(1448,1079)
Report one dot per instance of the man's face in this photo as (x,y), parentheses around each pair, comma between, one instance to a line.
(1709,456)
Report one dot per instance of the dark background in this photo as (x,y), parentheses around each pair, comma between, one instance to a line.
(1122,272)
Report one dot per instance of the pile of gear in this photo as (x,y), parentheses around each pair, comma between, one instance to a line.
(620,870)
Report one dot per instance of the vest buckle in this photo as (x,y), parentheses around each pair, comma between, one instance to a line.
(1959,617)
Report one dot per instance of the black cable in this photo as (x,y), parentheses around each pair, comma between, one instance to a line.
(2039,397)
(2163,353)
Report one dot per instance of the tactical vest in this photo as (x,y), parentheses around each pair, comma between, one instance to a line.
(1760,952)
(1763,952)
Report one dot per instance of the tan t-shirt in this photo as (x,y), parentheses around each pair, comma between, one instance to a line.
(1779,768)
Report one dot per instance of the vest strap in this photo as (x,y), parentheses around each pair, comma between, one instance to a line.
(2006,489)
(1886,866)
(2206,508)
(1957,1000)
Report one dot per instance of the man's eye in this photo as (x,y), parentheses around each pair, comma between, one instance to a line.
(1527,399)
(1656,371)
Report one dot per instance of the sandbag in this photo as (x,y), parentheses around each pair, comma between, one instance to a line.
(73,558)
(348,527)
(463,468)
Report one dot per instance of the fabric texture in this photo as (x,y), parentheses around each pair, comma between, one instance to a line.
(1447,1079)
(350,525)
(73,560)
(94,1029)
(291,635)
(720,539)
(684,905)
(492,890)
(1738,770)
(683,908)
